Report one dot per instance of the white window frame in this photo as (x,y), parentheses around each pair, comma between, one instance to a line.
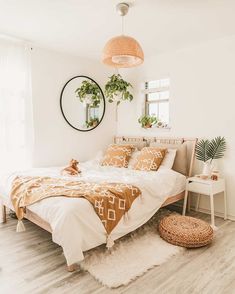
(148,91)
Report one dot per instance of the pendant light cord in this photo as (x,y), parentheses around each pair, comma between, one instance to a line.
(123,25)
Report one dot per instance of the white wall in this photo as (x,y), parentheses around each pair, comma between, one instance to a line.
(55,141)
(202,100)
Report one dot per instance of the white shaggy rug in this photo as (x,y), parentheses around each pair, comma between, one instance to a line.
(131,256)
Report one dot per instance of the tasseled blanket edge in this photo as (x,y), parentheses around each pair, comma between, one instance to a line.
(20,226)
(126,218)
(109,242)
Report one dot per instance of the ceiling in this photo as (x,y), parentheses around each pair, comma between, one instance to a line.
(82,27)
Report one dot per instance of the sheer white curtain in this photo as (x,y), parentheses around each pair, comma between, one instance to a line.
(16,121)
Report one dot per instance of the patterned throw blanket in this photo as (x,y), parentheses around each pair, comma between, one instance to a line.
(109,200)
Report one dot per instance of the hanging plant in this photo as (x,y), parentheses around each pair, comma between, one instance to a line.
(117,90)
(89,93)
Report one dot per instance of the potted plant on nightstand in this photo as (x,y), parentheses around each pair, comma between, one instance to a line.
(208,150)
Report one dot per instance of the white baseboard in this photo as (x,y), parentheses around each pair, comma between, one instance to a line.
(207,211)
(219,214)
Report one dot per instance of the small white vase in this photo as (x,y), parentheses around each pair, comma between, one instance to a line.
(206,169)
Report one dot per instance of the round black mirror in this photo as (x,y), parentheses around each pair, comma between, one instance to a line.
(82,103)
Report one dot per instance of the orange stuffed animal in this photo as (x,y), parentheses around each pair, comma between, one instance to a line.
(72,169)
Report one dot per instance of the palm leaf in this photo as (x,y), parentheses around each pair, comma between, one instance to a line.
(201,150)
(216,148)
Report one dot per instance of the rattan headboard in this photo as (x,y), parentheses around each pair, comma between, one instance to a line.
(190,142)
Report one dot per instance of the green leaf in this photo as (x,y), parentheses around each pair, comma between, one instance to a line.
(147,120)
(202,150)
(216,148)
(116,86)
(89,88)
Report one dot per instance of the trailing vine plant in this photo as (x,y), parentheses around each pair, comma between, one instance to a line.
(89,93)
(117,89)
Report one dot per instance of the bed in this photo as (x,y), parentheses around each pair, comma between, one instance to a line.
(74,218)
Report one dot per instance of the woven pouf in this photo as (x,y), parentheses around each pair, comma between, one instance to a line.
(185,231)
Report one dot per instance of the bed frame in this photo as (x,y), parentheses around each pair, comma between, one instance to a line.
(190,142)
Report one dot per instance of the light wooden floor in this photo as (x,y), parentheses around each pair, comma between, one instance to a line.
(31,263)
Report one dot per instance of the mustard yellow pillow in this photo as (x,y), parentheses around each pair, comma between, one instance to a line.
(150,158)
(118,155)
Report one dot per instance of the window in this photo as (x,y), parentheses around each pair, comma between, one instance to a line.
(157,97)
(16,127)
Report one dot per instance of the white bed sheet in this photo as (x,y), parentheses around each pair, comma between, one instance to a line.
(75,225)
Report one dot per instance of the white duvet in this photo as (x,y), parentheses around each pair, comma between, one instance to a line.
(75,225)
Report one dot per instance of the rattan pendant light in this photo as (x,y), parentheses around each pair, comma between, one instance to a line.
(122,51)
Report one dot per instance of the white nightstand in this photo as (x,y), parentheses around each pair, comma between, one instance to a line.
(206,187)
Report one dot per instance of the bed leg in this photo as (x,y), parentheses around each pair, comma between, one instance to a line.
(4,214)
(72,267)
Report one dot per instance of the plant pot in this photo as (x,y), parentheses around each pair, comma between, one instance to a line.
(87,101)
(117,97)
(148,126)
(207,168)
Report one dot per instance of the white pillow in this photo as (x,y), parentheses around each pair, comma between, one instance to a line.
(97,159)
(180,163)
(169,159)
(133,159)
(99,156)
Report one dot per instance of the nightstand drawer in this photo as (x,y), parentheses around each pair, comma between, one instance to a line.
(200,188)
(205,187)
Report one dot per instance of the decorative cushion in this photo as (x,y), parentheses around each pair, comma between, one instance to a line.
(167,162)
(180,163)
(118,155)
(150,158)
(185,231)
(169,159)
